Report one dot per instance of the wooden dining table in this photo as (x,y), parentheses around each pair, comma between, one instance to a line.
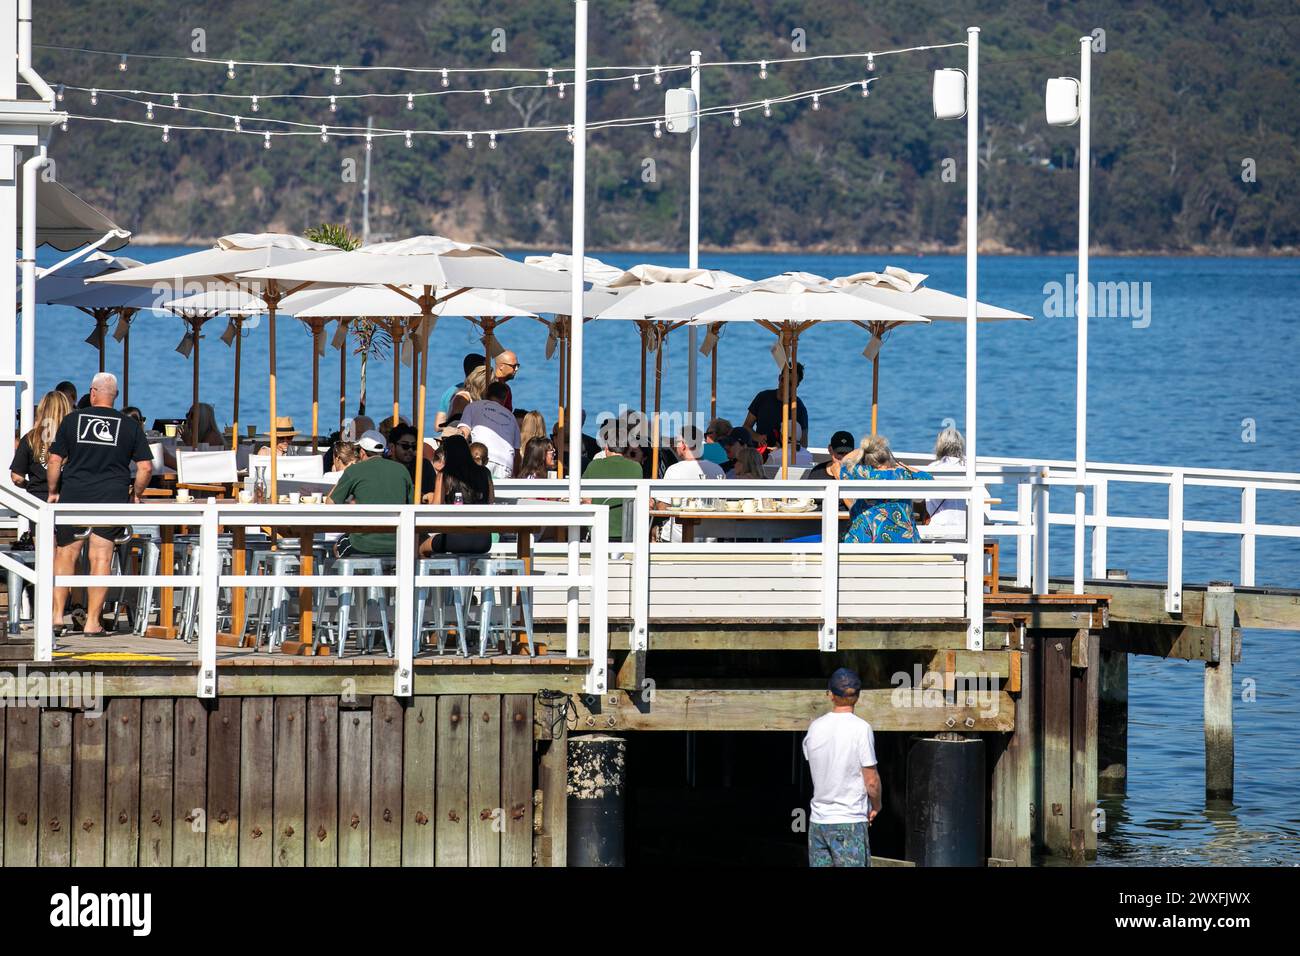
(690,518)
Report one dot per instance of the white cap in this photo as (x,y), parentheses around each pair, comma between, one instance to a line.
(373,443)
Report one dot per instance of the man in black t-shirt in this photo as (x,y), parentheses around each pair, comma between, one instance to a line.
(90,462)
(764,418)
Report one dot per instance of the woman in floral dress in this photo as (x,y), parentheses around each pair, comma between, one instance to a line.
(890,522)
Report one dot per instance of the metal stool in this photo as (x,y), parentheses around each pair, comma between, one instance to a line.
(17,588)
(353,565)
(450,564)
(489,603)
(189,626)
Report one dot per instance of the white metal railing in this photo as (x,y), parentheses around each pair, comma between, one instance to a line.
(406,521)
(639,495)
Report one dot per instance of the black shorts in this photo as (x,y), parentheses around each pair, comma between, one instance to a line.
(66,534)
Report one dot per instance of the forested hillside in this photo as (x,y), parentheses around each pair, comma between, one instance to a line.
(1188,96)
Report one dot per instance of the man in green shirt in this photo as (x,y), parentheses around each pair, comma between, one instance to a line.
(372,480)
(614,464)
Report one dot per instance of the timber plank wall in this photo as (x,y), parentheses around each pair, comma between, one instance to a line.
(270,781)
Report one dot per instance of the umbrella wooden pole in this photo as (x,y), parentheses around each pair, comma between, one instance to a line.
(641,326)
(317,329)
(272,299)
(343,382)
(101,327)
(794,386)
(234,424)
(426,305)
(875,390)
(417,368)
(398,329)
(559,401)
(195,326)
(713,376)
(659,381)
(126,364)
(785,408)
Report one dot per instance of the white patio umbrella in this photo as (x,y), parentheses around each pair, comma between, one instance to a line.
(197,309)
(903,290)
(427,270)
(649,290)
(219,267)
(404,315)
(786,305)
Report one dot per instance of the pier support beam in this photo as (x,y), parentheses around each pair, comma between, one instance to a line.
(1012,792)
(1084,679)
(1112,722)
(551,821)
(1219,613)
(1056,754)
(596,800)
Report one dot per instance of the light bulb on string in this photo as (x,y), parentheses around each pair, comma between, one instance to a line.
(167,134)
(659,133)
(176,101)
(762,69)
(487,97)
(410,101)
(871,62)
(446,80)
(238,127)
(148,111)
(230,69)
(817,101)
(59,94)
(636,81)
(94,97)
(408,139)
(492,140)
(266,140)
(334,104)
(767,108)
(561,91)
(369,142)
(338,76)
(570,136)
(64,125)
(735,117)
(121,66)
(469,140)
(866,91)
(550,77)
(324,135)
(658,77)
(253,100)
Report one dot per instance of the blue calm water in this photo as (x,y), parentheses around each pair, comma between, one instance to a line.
(1200,372)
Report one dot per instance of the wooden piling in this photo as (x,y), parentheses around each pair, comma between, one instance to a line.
(451,791)
(387,755)
(122,781)
(1056,759)
(290,799)
(1219,613)
(1084,821)
(517,780)
(552,829)
(89,750)
(322,781)
(224,721)
(256,776)
(486,814)
(1012,791)
(418,776)
(189,824)
(157,748)
(55,799)
(355,736)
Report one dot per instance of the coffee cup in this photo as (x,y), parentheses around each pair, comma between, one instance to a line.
(245,497)
(183,495)
(169,430)
(295,497)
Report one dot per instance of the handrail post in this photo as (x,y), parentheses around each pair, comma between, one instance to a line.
(1248,536)
(1174,577)
(1042,526)
(1024,534)
(640,584)
(43,598)
(598,622)
(405,627)
(975,568)
(830,567)
(209,571)
(1099,506)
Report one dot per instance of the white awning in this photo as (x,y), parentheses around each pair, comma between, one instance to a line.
(67,222)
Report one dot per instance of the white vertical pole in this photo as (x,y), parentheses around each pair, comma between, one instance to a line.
(1042,570)
(1174,576)
(975,506)
(1024,536)
(8,232)
(830,568)
(598,645)
(1099,511)
(209,569)
(693,249)
(43,599)
(640,584)
(1248,537)
(1081,312)
(405,627)
(576,276)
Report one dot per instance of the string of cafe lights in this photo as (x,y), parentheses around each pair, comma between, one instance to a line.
(326,132)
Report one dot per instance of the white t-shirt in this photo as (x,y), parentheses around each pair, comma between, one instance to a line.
(837,747)
(693,469)
(798,459)
(947,515)
(495,426)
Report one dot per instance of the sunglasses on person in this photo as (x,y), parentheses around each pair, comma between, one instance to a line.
(408,445)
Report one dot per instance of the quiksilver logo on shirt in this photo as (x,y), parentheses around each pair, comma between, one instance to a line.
(97,430)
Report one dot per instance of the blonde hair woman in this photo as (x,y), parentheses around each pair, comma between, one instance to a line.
(476,383)
(28,467)
(748,465)
(885,521)
(533,426)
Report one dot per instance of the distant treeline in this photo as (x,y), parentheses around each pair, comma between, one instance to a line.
(1195,144)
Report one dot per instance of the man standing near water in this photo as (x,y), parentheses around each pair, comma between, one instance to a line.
(90,462)
(841,753)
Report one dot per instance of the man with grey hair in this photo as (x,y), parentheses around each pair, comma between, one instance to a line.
(90,462)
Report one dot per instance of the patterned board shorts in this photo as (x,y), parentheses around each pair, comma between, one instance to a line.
(838,844)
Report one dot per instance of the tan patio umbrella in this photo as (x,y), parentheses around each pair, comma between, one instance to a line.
(786,305)
(219,268)
(428,271)
(903,290)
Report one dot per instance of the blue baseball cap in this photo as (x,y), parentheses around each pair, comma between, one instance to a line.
(845,683)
